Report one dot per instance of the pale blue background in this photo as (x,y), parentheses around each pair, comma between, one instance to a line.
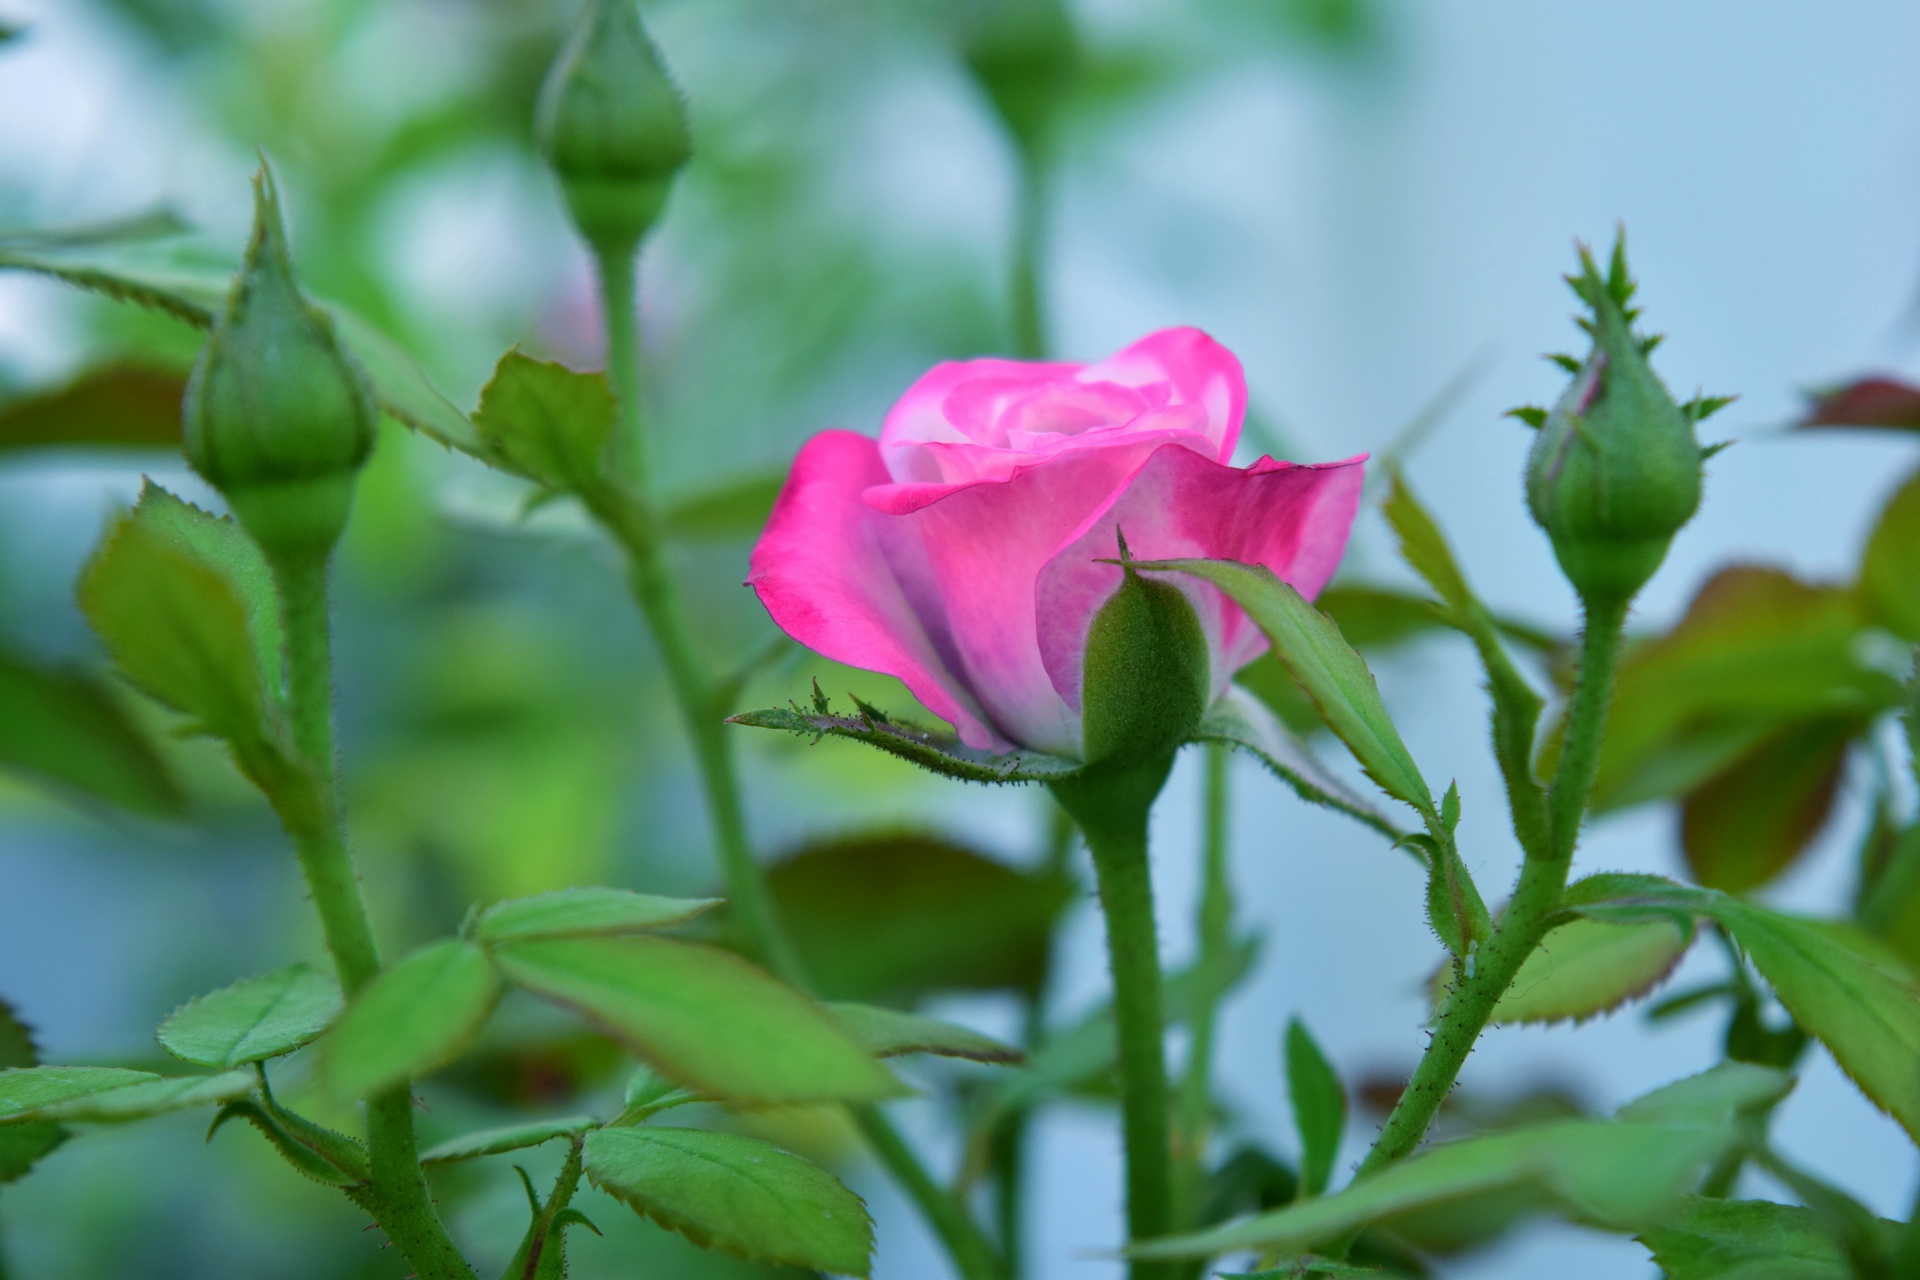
(1359,236)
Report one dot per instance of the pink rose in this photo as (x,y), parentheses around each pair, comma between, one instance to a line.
(962,551)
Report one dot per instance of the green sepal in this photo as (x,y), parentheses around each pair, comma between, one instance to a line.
(1147,674)
(1615,470)
(543,1250)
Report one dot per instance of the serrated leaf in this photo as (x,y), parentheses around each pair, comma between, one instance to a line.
(704,1017)
(1715,1097)
(890,1033)
(143,1099)
(583,913)
(1745,1240)
(492,1142)
(1587,967)
(1619,1174)
(1751,822)
(1890,566)
(1325,665)
(192,286)
(62,727)
(254,1019)
(894,916)
(1239,719)
(416,1016)
(117,405)
(1319,1107)
(24,1145)
(1868,1017)
(938,751)
(735,509)
(16,1040)
(25,1090)
(735,1194)
(546,421)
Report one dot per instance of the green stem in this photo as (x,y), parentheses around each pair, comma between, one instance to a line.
(1464,1014)
(1025,302)
(624,507)
(1215,943)
(1112,810)
(1906,1253)
(401,1203)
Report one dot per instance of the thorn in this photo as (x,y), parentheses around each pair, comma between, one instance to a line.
(1120,536)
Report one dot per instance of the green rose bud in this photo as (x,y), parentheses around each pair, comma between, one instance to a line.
(1615,470)
(613,126)
(1147,676)
(1023,53)
(277,415)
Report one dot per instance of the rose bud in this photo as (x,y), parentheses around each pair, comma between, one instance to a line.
(612,125)
(277,415)
(971,548)
(1615,470)
(1023,54)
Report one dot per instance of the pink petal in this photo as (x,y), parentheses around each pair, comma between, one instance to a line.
(822,573)
(969,557)
(1292,519)
(956,403)
(1196,370)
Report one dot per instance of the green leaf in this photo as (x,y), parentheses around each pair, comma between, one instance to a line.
(1516,706)
(889,1033)
(16,1040)
(1374,618)
(1305,1265)
(24,1145)
(735,509)
(157,271)
(1319,1107)
(254,1019)
(1756,650)
(584,913)
(938,751)
(151,1098)
(1455,909)
(108,1093)
(546,422)
(892,917)
(1325,665)
(704,1017)
(492,1142)
(116,405)
(1619,1174)
(1868,1017)
(735,1194)
(416,1016)
(1588,967)
(63,727)
(25,1090)
(1241,719)
(1749,823)
(1890,565)
(1745,1240)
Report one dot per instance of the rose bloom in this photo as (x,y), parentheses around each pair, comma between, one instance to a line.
(963,550)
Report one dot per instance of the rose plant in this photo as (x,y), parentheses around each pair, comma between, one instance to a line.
(1065,568)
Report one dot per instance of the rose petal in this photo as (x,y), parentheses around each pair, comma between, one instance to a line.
(956,403)
(1196,369)
(969,557)
(822,574)
(1292,519)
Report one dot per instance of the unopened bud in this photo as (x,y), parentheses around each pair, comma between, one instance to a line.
(1615,470)
(277,415)
(612,126)
(1024,54)
(1147,678)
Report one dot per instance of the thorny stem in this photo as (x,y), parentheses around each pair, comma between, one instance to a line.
(1215,943)
(624,506)
(1112,811)
(1466,1010)
(400,1202)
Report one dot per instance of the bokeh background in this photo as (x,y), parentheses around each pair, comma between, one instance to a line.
(1370,201)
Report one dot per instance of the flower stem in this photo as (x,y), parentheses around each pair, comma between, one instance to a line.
(624,506)
(1112,809)
(400,1200)
(1467,1009)
(1215,942)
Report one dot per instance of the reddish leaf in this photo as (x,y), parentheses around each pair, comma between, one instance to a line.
(1748,824)
(1867,402)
